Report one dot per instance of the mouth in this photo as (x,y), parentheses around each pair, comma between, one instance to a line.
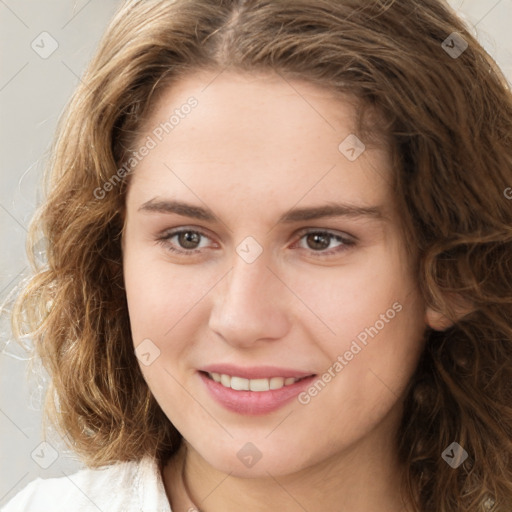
(258,391)
(256,385)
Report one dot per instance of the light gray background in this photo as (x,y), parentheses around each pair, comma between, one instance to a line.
(33,92)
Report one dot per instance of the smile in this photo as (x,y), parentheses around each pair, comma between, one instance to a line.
(258,385)
(257,392)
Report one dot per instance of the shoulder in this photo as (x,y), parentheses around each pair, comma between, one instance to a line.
(125,486)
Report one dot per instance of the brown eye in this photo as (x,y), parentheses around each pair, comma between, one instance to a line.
(189,239)
(325,243)
(184,241)
(318,241)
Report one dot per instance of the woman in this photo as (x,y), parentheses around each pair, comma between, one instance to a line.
(278,269)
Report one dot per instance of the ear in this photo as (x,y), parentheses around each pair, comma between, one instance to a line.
(458,308)
(436,320)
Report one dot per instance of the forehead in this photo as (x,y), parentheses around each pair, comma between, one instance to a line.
(262,139)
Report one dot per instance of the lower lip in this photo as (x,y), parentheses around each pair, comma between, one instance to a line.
(254,402)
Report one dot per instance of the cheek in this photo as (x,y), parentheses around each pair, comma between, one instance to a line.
(364,382)
(377,317)
(159,294)
(161,303)
(357,295)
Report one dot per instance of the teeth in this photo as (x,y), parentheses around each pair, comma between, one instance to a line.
(241,384)
(259,385)
(276,382)
(225,380)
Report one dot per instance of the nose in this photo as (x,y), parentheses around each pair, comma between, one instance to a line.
(249,305)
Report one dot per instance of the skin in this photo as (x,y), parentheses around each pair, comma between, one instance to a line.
(290,307)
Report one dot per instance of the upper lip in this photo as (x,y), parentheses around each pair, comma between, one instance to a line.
(255,372)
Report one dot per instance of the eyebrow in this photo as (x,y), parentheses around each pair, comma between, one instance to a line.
(294,215)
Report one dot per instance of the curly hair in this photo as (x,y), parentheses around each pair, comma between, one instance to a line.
(447,118)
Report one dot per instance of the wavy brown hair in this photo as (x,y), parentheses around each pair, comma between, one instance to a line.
(448,122)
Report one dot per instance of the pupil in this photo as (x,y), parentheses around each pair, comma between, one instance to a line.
(320,241)
(188,239)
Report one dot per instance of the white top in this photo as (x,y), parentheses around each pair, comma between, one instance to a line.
(121,487)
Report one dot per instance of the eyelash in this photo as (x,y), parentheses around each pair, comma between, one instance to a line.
(346,242)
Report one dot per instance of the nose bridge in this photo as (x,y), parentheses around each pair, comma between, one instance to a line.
(248,281)
(247,305)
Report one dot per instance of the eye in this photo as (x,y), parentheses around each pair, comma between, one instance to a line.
(321,243)
(187,241)
(318,241)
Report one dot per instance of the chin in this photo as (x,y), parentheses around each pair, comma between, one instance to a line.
(244,460)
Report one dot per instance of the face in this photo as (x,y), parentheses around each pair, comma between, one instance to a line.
(261,246)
